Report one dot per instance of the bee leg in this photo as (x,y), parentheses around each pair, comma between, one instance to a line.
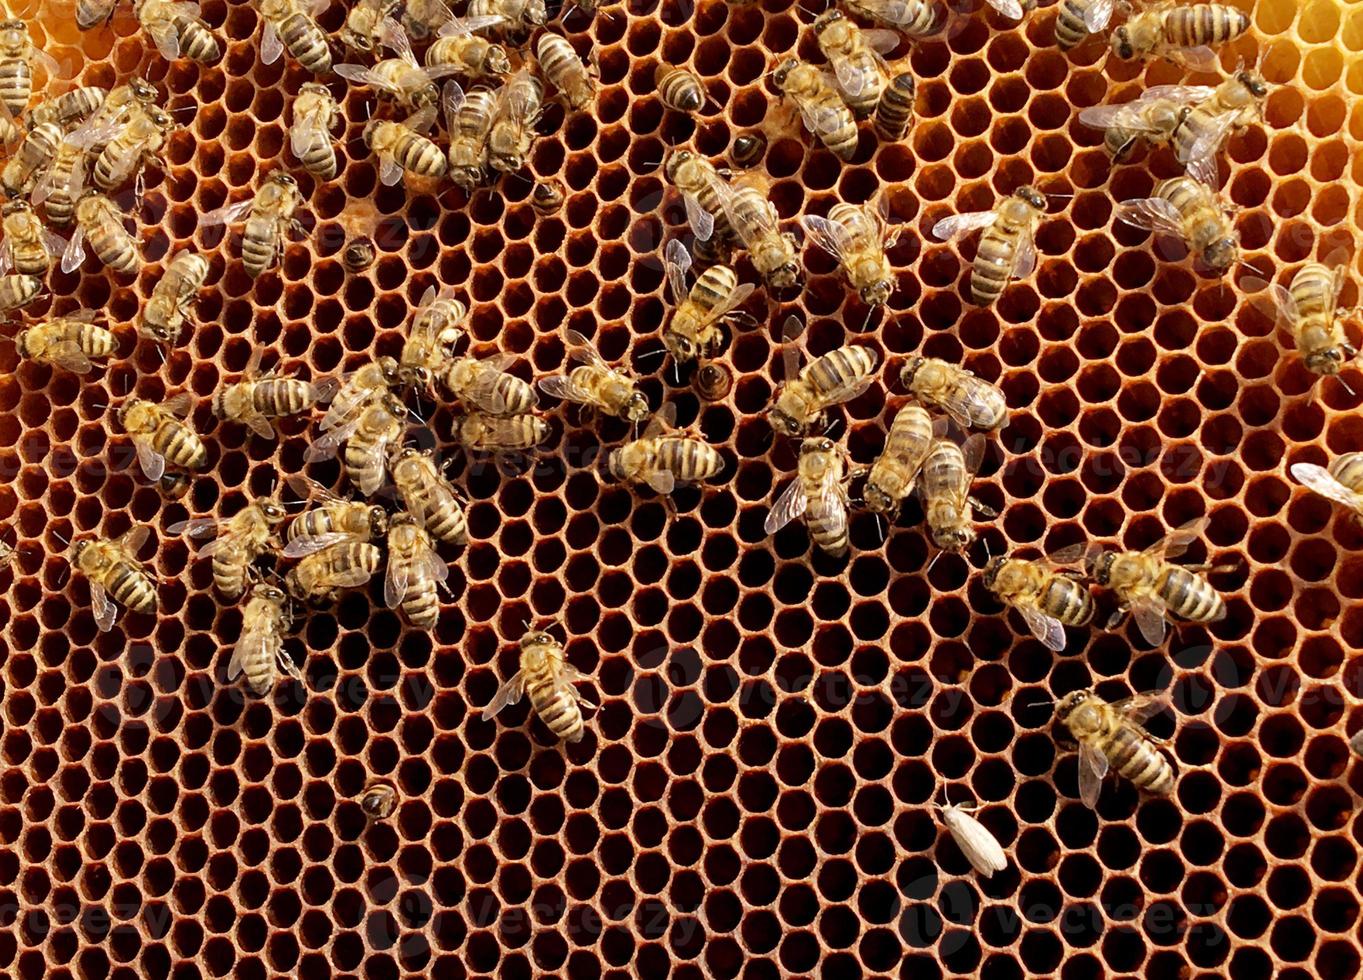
(983,509)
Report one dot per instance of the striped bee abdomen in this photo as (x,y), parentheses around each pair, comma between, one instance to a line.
(1204,23)
(131,586)
(689,460)
(1132,755)
(1189,595)
(179,445)
(557,708)
(1068,601)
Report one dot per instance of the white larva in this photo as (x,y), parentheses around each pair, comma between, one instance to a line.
(979,846)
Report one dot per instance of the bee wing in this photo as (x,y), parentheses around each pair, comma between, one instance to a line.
(852,78)
(180,405)
(1319,480)
(330,441)
(1092,769)
(74,253)
(6,253)
(828,235)
(961,224)
(461,26)
(257,641)
(1068,555)
(1210,139)
(153,463)
(665,419)
(1047,629)
(1011,9)
(271,47)
(227,214)
(306,486)
(1176,542)
(561,386)
(853,387)
(581,348)
(132,540)
(1275,302)
(1153,214)
(310,544)
(1140,708)
(508,693)
(972,451)
(661,480)
(722,309)
(1205,170)
(1024,256)
(1127,115)
(1200,58)
(105,611)
(48,63)
(677,262)
(324,389)
(702,221)
(451,101)
(790,505)
(1096,15)
(307,132)
(1182,94)
(395,581)
(515,100)
(390,171)
(53,243)
(343,404)
(436,566)
(373,477)
(880,41)
(392,36)
(364,76)
(484,391)
(825,119)
(70,357)
(1149,614)
(421,120)
(258,424)
(164,36)
(196,527)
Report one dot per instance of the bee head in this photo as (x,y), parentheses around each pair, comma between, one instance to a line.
(675,161)
(783,423)
(1222,253)
(991,571)
(536,638)
(783,70)
(142,90)
(394,406)
(1099,568)
(283,179)
(1253,83)
(388,367)
(378,522)
(785,277)
(636,409)
(954,539)
(911,367)
(1031,195)
(160,117)
(817,444)
(878,293)
(263,590)
(826,20)
(1121,43)
(126,409)
(369,127)
(78,549)
(271,509)
(1328,361)
(15,206)
(877,499)
(1066,705)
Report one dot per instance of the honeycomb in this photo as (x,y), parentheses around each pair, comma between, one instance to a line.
(753,796)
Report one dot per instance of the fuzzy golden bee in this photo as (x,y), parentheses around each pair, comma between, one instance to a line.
(379,800)
(831,379)
(107,121)
(257,398)
(61,184)
(469,120)
(115,573)
(318,578)
(18,58)
(1188,209)
(241,539)
(1233,106)
(481,432)
(1341,483)
(360,389)
(1154,118)
(1308,308)
(944,483)
(72,342)
(548,678)
(547,197)
(916,18)
(818,494)
(515,112)
(662,457)
(139,139)
(28,247)
(401,149)
(895,471)
(358,255)
(1182,33)
(315,115)
(1046,594)
(1112,736)
(24,168)
(259,650)
(700,185)
(100,221)
(756,224)
(368,438)
(971,402)
(816,95)
(895,112)
(596,383)
(164,315)
(486,384)
(1075,20)
(1007,249)
(400,77)
(70,107)
(415,572)
(460,48)
(430,499)
(160,434)
(291,25)
(17,291)
(1152,588)
(177,30)
(436,329)
(269,217)
(365,23)
(858,236)
(92,13)
(680,89)
(856,58)
(519,17)
(332,520)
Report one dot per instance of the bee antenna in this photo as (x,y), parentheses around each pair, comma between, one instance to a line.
(883,534)
(934,561)
(1345,385)
(653,353)
(58,536)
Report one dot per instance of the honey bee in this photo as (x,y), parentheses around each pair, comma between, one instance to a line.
(139,138)
(113,569)
(519,17)
(1187,208)
(818,494)
(434,332)
(269,215)
(364,23)
(18,57)
(831,379)
(60,186)
(292,25)
(259,650)
(379,800)
(415,572)
(33,155)
(1153,118)
(1112,735)
(944,483)
(257,398)
(103,123)
(1308,309)
(421,18)
(971,402)
(7,550)
(11,130)
(694,328)
(17,291)
(160,435)
(241,539)
(1342,483)
(515,112)
(480,432)
(893,474)
(360,389)
(700,185)
(565,70)
(916,18)
(547,197)
(171,297)
(460,48)
(1007,249)
(548,678)
(857,236)
(756,224)
(429,497)
(747,149)
(174,485)
(334,520)
(469,120)
(401,148)
(69,108)
(663,457)
(1233,106)
(177,29)
(368,438)
(816,95)
(1049,596)
(320,576)
(28,246)
(315,115)
(69,342)
(1076,19)
(91,13)
(101,221)
(894,114)
(1151,588)
(401,76)
(855,56)
(713,381)
(358,255)
(1181,33)
(680,89)
(486,384)
(596,383)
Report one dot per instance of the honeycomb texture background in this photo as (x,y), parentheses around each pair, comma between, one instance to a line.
(748,801)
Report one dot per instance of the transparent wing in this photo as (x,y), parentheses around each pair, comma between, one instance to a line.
(661,480)
(825,120)
(196,527)
(105,611)
(228,214)
(1176,542)
(508,693)
(852,78)
(310,544)
(1153,214)
(1140,708)
(1092,769)
(1127,116)
(1068,555)
(308,132)
(396,580)
(972,453)
(164,36)
(373,477)
(74,253)
(1209,141)
(363,76)
(6,254)
(180,405)
(306,486)
(1096,15)
(393,37)
(458,26)
(451,101)
(1047,629)
(435,566)
(1200,58)
(1024,256)
(1319,480)
(880,41)
(67,355)
(1205,170)
(581,348)
(390,171)
(1011,9)
(677,262)
(1149,614)
(702,221)
(153,463)
(324,389)
(832,500)
(132,540)
(271,47)
(53,243)
(561,386)
(961,224)
(1182,94)
(483,391)
(329,443)
(828,235)
(722,309)
(790,505)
